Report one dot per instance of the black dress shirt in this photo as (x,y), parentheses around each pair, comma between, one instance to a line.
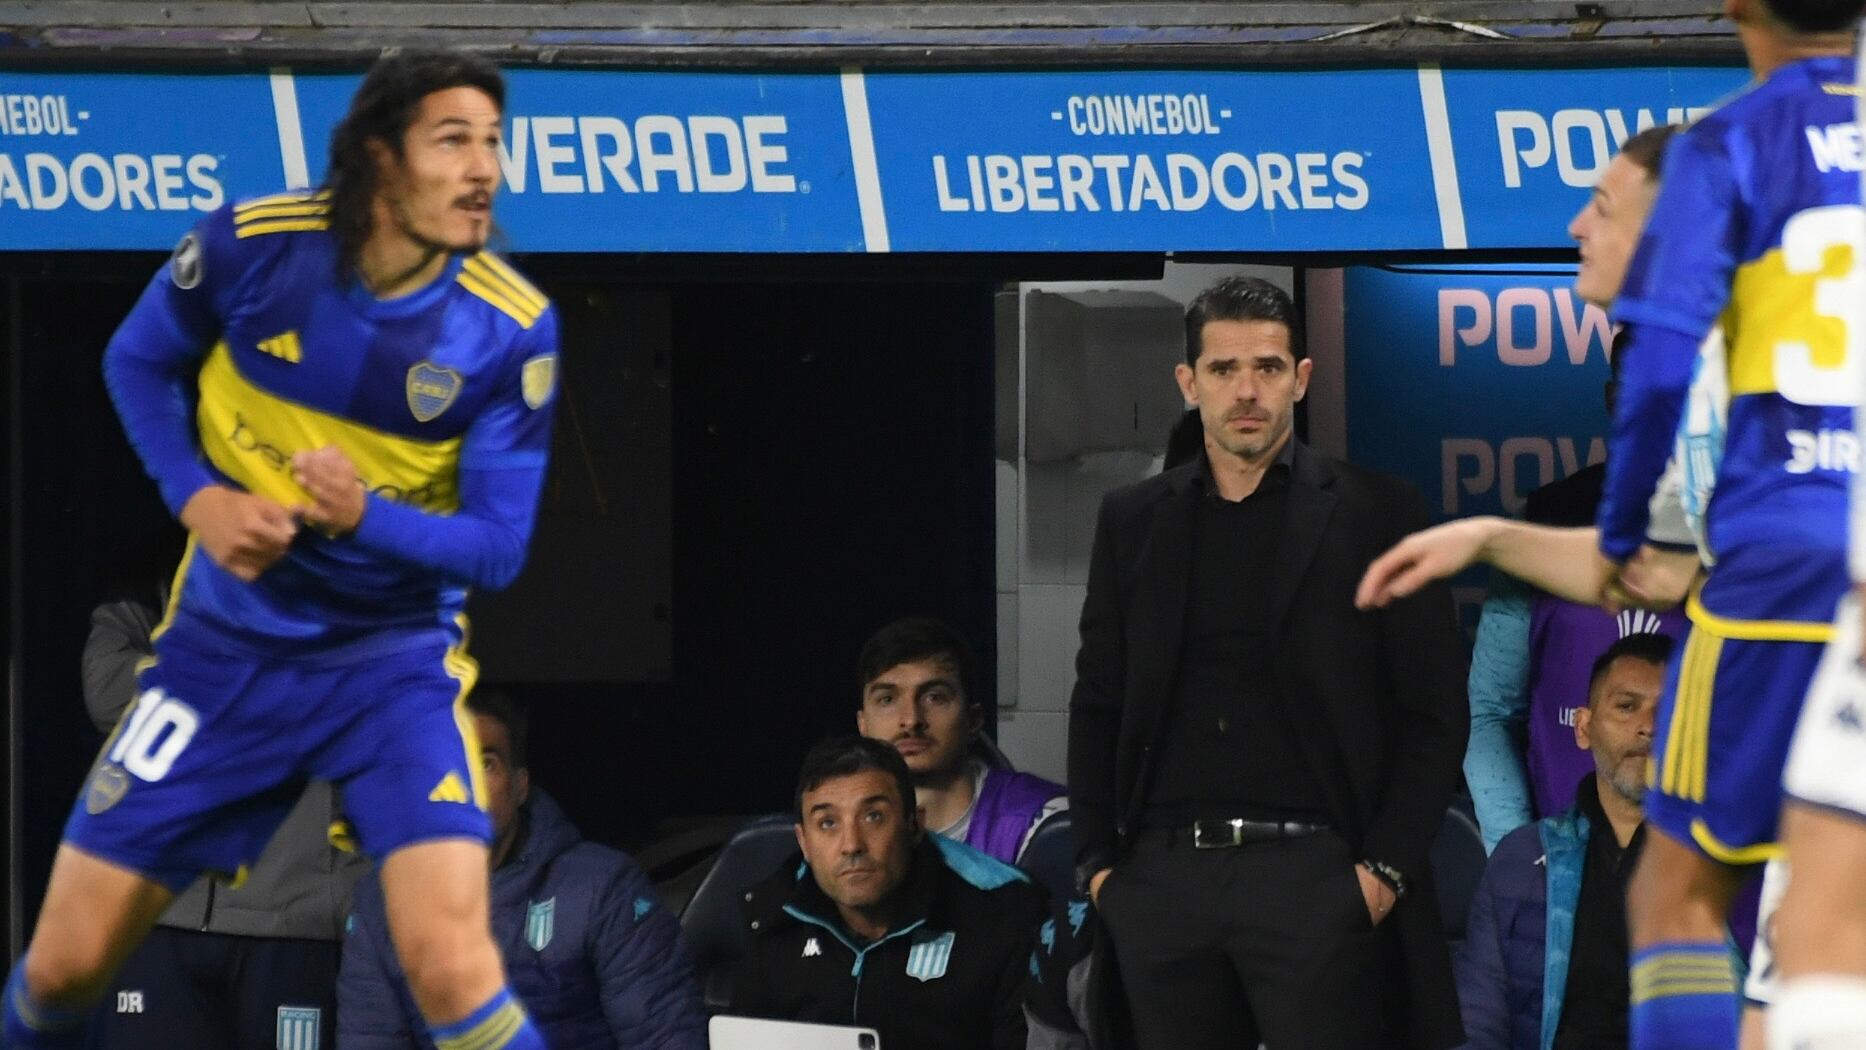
(1594,1008)
(1230,749)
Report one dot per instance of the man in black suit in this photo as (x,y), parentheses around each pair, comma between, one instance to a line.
(1257,770)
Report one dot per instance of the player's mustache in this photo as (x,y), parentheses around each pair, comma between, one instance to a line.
(473,200)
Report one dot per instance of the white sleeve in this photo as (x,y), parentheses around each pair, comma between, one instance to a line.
(1684,492)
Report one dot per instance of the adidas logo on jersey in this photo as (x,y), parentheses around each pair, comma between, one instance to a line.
(450,789)
(284,346)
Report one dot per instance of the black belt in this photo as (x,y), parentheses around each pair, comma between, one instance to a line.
(1224,834)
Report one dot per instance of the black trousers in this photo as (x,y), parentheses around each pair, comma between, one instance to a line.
(212,991)
(1266,943)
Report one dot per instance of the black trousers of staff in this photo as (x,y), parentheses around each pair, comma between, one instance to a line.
(1262,943)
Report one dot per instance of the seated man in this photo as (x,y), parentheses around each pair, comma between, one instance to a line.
(592,954)
(1544,960)
(916,677)
(919,937)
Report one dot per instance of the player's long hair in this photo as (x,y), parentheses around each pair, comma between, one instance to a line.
(383,109)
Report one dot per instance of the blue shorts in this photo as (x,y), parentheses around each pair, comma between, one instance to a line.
(217,747)
(1721,739)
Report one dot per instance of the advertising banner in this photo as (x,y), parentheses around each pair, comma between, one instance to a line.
(600,161)
(1401,159)
(109,161)
(1529,146)
(1477,384)
(1160,161)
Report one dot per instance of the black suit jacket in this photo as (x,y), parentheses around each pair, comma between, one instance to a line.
(1377,698)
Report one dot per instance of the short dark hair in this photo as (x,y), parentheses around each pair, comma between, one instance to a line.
(383,108)
(1241,299)
(845,756)
(501,708)
(1647,149)
(1816,16)
(1652,648)
(913,639)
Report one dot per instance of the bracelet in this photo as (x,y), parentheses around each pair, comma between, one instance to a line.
(1388,874)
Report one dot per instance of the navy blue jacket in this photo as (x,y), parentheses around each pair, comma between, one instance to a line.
(588,948)
(1513,966)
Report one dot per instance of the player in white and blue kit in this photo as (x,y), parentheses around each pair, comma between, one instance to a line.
(347,402)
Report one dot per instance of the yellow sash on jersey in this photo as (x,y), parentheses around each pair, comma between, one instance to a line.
(250,435)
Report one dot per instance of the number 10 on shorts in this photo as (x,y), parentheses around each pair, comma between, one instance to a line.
(158,731)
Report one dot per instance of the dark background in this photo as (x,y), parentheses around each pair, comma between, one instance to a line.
(819,462)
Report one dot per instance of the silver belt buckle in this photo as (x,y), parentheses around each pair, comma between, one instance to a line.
(1199,841)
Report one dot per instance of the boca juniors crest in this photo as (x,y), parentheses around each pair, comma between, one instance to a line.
(538,378)
(431,389)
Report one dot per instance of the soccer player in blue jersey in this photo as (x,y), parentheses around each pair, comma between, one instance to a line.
(1821,926)
(347,402)
(1756,229)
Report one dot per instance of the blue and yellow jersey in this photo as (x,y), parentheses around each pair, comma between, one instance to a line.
(1756,229)
(248,346)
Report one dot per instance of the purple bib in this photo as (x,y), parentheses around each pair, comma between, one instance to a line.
(1008,802)
(1564,641)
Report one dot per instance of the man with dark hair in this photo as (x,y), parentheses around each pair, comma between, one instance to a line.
(878,924)
(916,678)
(593,955)
(1544,957)
(1235,722)
(347,402)
(1242,299)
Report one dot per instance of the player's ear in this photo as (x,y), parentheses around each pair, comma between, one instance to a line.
(383,160)
(1582,717)
(522,783)
(1184,375)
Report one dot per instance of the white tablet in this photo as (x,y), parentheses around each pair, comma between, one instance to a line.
(750,1033)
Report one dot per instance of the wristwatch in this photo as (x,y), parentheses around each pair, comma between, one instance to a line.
(1388,874)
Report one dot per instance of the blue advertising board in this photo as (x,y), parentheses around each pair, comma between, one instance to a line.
(628,162)
(128,160)
(1111,160)
(1528,147)
(1117,161)
(1477,384)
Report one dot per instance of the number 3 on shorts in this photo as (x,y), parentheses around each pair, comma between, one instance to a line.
(155,736)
